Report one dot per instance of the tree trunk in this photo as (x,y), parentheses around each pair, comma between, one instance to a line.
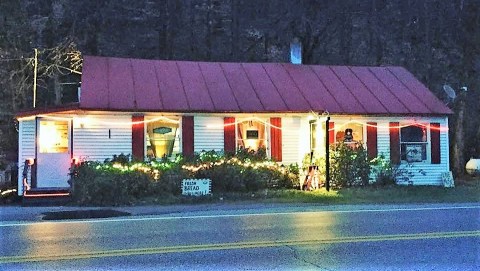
(459,139)
(58,90)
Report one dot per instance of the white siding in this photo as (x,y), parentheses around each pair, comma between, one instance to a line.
(96,138)
(383,139)
(291,137)
(208,133)
(431,172)
(26,147)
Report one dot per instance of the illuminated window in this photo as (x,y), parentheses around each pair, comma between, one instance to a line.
(251,135)
(53,136)
(313,135)
(352,132)
(413,141)
(160,139)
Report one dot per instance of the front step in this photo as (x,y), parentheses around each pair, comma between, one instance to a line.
(46,196)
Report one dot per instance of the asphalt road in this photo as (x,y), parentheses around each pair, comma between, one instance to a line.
(377,238)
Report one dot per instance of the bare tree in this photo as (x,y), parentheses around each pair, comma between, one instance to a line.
(50,65)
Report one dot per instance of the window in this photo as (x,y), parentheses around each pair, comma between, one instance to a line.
(53,136)
(350,133)
(413,143)
(251,135)
(161,138)
(313,135)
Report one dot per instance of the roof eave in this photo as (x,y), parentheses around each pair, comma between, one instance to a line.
(46,110)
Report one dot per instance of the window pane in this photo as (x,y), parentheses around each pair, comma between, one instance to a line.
(414,152)
(251,135)
(350,133)
(413,134)
(53,136)
(313,135)
(160,139)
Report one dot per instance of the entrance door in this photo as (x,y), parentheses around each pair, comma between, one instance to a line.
(53,153)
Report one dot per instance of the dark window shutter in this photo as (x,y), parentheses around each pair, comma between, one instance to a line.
(435,142)
(187,135)
(138,137)
(229,135)
(372,140)
(276,139)
(331,132)
(395,142)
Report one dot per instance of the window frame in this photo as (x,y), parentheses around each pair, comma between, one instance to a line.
(176,139)
(344,126)
(426,144)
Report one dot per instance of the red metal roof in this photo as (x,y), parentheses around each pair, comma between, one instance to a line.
(184,86)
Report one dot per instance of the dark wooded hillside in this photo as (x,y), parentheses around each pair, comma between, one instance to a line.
(439,41)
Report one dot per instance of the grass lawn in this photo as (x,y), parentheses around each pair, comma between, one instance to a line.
(466,190)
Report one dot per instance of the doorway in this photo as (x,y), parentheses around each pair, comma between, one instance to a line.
(53,153)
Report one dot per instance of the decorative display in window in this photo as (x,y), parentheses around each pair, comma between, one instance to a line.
(352,133)
(251,135)
(160,139)
(348,137)
(414,152)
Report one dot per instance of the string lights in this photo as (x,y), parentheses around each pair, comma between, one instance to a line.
(320,118)
(418,124)
(156,168)
(268,124)
(233,161)
(86,119)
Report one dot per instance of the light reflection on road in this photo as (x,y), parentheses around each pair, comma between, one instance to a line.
(299,227)
(46,239)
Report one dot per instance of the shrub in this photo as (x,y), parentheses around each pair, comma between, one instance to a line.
(119,181)
(248,171)
(386,173)
(349,165)
(170,182)
(383,171)
(246,154)
(93,184)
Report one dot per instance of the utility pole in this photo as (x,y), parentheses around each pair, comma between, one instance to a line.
(35,78)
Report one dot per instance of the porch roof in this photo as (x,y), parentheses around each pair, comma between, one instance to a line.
(184,86)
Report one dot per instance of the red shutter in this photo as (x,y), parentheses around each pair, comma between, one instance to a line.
(395,142)
(138,138)
(435,142)
(372,140)
(229,135)
(187,135)
(331,132)
(276,139)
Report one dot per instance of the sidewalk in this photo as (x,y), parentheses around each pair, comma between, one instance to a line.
(32,214)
